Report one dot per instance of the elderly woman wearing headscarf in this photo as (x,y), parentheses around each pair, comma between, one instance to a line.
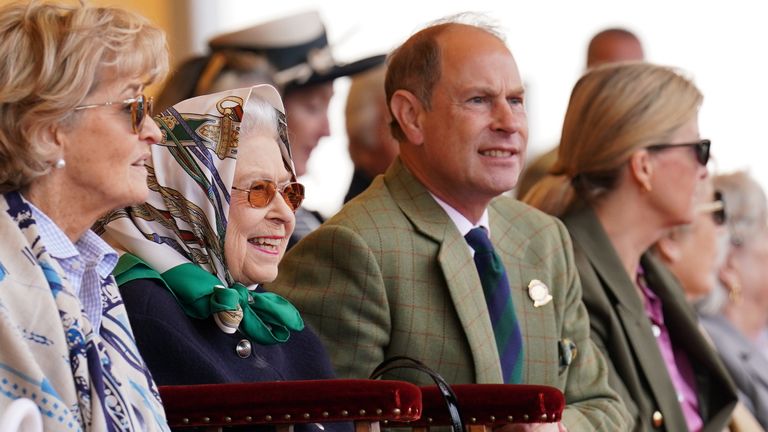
(216,224)
(74,136)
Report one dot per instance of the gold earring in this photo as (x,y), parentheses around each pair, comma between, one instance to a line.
(734,292)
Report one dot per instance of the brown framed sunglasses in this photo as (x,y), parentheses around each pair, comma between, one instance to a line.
(261,193)
(140,107)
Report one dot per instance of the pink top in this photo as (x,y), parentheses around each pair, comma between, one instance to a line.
(678,364)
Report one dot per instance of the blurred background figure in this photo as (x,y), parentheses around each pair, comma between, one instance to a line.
(608,46)
(694,252)
(291,53)
(614,45)
(631,165)
(371,145)
(736,313)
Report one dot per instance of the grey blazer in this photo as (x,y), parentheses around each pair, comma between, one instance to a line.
(747,365)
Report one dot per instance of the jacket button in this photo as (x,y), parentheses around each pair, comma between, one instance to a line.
(243,348)
(658,419)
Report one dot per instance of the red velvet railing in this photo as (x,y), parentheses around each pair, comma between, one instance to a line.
(291,402)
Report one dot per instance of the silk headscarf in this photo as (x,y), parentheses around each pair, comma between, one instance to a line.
(177,235)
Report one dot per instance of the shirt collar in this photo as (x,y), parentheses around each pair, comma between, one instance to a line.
(462,223)
(91,248)
(95,251)
(57,243)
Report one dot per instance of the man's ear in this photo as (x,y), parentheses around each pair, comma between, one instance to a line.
(407,109)
(641,169)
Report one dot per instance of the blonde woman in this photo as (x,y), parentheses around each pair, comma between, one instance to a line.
(629,166)
(75,132)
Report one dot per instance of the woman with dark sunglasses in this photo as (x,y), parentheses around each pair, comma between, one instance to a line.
(629,166)
(215,226)
(73,142)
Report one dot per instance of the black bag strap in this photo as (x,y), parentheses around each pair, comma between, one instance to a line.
(404,362)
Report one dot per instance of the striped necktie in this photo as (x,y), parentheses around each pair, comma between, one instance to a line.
(498,297)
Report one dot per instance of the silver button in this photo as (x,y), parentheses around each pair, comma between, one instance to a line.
(656,330)
(243,348)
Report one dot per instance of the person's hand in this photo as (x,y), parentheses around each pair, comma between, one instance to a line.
(532,427)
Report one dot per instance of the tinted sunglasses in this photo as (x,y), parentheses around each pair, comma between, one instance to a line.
(261,193)
(701,148)
(140,106)
(716,207)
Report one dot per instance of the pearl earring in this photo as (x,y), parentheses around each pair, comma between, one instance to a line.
(61,163)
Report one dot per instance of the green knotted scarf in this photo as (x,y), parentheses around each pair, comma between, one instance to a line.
(267,317)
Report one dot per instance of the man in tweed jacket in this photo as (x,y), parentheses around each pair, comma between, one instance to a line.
(391,274)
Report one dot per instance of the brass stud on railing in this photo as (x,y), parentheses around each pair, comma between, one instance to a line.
(396,411)
(526,417)
(362,412)
(510,419)
(326,414)
(228,419)
(344,413)
(473,420)
(429,420)
(287,416)
(305,415)
(248,418)
(379,411)
(386,421)
(493,419)
(268,417)
(185,420)
(544,416)
(206,419)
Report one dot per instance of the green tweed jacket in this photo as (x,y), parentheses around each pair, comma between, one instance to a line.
(621,329)
(391,275)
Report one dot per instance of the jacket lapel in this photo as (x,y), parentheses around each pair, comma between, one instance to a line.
(588,233)
(457,266)
(713,385)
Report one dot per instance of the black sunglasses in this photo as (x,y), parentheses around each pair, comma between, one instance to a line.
(701,148)
(140,106)
(716,207)
(261,193)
